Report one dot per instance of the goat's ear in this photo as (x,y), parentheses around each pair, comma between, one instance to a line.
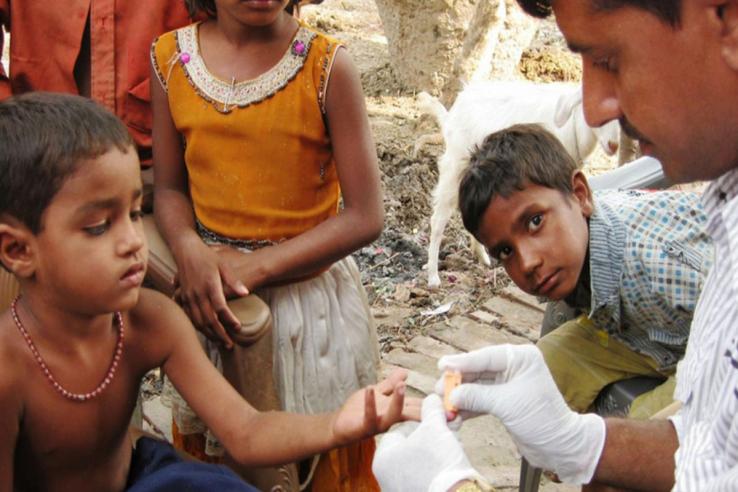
(16,251)
(582,193)
(727,15)
(566,105)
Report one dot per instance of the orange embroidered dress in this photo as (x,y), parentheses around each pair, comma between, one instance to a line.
(261,170)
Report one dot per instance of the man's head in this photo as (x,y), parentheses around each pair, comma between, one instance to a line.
(668,70)
(45,137)
(523,197)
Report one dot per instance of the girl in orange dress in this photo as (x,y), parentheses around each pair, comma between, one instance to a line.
(259,129)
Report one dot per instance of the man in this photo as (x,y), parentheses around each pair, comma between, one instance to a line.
(668,70)
(95,48)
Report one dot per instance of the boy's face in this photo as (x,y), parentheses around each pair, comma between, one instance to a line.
(540,236)
(91,252)
(672,88)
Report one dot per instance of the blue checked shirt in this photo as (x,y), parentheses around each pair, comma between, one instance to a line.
(649,255)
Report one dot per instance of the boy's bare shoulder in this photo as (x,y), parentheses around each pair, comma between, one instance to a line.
(157,315)
(13,363)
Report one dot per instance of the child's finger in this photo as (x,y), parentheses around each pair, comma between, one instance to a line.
(395,408)
(388,384)
(215,325)
(232,283)
(411,408)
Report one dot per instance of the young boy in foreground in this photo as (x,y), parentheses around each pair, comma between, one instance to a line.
(632,262)
(82,334)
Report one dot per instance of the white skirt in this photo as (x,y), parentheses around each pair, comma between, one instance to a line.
(325,346)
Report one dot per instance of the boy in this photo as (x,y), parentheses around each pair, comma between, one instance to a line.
(77,341)
(633,262)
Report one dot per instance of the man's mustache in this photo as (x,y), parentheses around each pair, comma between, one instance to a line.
(630,130)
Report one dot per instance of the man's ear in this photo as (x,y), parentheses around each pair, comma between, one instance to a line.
(582,193)
(726,12)
(16,252)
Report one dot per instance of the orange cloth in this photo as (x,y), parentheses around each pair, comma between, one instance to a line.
(258,155)
(346,469)
(46,37)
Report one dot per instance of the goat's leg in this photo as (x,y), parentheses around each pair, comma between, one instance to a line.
(445,197)
(479,250)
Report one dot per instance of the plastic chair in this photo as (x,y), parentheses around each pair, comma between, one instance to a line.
(615,398)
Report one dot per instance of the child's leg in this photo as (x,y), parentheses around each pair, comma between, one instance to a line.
(584,359)
(156,467)
(647,404)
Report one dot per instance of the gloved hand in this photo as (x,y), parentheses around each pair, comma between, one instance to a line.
(513,383)
(424,457)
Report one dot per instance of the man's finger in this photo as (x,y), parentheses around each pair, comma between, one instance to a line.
(477,398)
(370,410)
(489,359)
(432,411)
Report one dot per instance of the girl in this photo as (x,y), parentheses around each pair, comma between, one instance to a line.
(259,127)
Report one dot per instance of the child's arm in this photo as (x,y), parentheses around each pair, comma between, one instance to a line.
(252,437)
(361,220)
(200,273)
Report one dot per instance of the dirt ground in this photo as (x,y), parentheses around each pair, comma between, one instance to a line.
(392,267)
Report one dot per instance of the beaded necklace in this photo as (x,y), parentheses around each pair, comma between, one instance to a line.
(80,397)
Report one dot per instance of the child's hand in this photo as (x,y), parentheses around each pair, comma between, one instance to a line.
(200,292)
(374,409)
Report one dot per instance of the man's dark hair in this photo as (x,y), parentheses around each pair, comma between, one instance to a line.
(506,162)
(667,10)
(44,137)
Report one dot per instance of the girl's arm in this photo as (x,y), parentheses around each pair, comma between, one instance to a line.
(361,220)
(200,273)
(252,437)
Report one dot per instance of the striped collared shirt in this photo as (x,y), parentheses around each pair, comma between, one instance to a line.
(707,377)
(649,254)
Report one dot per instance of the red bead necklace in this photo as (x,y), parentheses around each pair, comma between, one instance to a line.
(47,372)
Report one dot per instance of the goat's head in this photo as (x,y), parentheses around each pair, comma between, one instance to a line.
(571,105)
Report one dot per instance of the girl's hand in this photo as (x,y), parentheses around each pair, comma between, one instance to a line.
(201,281)
(375,409)
(248,267)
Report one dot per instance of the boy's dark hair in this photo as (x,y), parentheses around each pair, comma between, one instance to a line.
(667,10)
(506,162)
(44,137)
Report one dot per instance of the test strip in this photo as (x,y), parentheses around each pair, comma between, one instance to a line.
(451,379)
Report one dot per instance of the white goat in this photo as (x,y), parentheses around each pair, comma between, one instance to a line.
(485,107)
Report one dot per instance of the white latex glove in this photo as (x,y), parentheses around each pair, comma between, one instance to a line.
(424,457)
(513,383)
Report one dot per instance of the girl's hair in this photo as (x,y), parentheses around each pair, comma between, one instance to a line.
(194,7)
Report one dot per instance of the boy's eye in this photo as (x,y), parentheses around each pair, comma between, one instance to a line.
(535,222)
(503,253)
(97,229)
